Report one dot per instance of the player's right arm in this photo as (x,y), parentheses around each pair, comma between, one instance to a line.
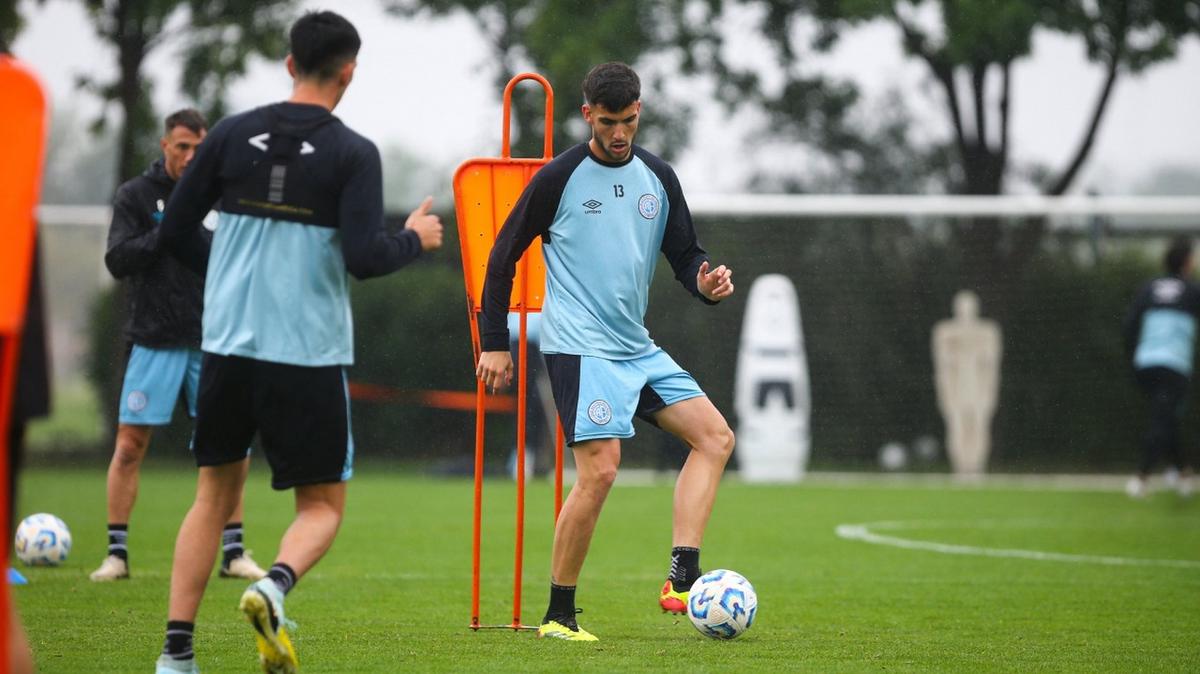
(529,219)
(368,249)
(132,241)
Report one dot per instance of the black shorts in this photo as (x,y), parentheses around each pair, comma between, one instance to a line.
(301,414)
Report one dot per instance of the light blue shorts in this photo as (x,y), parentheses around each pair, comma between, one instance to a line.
(598,398)
(154,380)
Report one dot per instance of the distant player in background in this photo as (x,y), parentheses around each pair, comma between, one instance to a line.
(301,205)
(604,210)
(165,302)
(1160,336)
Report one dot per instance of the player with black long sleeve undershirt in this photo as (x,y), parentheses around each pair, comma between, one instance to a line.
(301,206)
(604,210)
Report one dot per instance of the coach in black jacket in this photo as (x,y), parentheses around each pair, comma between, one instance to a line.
(166,299)
(166,302)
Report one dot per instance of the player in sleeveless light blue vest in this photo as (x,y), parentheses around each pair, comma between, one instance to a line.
(604,210)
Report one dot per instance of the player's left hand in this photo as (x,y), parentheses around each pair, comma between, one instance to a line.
(715,285)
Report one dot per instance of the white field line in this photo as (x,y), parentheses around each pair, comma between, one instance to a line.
(862,532)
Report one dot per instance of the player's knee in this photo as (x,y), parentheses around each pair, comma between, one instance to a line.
(602,479)
(717,441)
(128,455)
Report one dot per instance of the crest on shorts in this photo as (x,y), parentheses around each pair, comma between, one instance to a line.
(600,412)
(136,401)
(648,206)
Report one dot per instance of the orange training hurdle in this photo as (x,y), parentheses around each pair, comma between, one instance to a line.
(485,191)
(23,137)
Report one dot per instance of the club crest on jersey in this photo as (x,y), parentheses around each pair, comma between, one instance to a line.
(592,207)
(136,401)
(600,412)
(648,206)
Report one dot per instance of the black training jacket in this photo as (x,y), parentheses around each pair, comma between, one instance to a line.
(166,299)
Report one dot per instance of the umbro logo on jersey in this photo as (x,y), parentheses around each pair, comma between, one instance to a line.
(260,142)
(592,206)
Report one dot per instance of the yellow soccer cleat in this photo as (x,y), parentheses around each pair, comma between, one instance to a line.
(262,605)
(672,601)
(552,629)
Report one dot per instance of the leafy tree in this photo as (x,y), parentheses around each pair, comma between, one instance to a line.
(214,39)
(562,40)
(969,47)
(11,22)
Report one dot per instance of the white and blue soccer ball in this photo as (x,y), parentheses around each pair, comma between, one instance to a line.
(722,604)
(43,540)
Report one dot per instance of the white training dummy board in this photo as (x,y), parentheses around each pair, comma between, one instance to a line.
(771,396)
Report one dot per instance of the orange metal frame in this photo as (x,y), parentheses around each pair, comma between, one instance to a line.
(22,137)
(485,191)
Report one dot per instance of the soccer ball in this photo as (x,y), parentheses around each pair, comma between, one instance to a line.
(43,540)
(722,604)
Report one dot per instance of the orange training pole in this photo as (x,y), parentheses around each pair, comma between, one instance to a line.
(485,191)
(475,540)
(522,408)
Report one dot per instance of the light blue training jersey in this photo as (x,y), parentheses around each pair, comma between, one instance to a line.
(602,226)
(301,206)
(1161,325)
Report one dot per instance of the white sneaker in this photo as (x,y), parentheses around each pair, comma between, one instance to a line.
(243,567)
(112,568)
(1136,487)
(168,665)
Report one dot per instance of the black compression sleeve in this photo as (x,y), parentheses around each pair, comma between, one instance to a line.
(368,249)
(680,244)
(530,218)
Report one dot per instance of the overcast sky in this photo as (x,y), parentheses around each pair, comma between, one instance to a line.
(427,86)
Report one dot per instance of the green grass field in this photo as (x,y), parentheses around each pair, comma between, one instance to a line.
(394,594)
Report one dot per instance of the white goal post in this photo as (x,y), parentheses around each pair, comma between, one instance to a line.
(1184,212)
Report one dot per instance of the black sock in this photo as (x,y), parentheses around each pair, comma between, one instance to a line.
(685,568)
(283,575)
(231,542)
(178,644)
(118,540)
(562,605)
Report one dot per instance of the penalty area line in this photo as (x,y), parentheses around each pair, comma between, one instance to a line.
(863,533)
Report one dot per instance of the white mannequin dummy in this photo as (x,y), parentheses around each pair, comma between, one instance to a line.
(966,359)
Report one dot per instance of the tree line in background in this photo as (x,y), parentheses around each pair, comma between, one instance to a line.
(968,48)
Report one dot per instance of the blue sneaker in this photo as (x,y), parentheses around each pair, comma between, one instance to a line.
(262,605)
(169,665)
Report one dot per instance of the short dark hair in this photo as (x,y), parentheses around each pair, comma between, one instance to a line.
(612,85)
(321,43)
(1178,255)
(190,118)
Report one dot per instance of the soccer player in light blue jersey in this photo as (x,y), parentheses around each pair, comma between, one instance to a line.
(604,210)
(1160,338)
(301,210)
